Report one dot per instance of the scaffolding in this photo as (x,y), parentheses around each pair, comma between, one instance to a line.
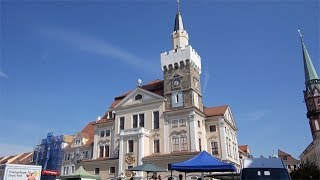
(49,153)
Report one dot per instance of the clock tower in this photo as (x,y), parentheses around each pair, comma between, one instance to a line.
(181,68)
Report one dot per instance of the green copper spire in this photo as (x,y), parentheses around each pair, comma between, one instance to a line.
(309,70)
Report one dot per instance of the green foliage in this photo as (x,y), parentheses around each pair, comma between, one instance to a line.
(306,171)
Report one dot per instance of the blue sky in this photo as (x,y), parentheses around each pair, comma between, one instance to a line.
(63,62)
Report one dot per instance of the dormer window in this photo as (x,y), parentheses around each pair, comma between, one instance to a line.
(77,142)
(110,115)
(138,97)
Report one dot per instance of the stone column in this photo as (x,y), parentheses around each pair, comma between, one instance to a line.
(95,148)
(223,142)
(165,142)
(141,153)
(204,136)
(192,129)
(120,170)
(141,149)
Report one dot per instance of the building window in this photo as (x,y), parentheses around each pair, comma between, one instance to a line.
(214,148)
(134,121)
(78,142)
(112,170)
(156,146)
(65,157)
(72,169)
(107,133)
(200,148)
(178,123)
(130,146)
(69,156)
(121,123)
(184,144)
(101,151)
(96,170)
(199,124)
(156,122)
(110,114)
(137,119)
(106,151)
(175,144)
(179,143)
(174,123)
(85,154)
(101,133)
(138,96)
(64,170)
(196,99)
(67,170)
(141,120)
(177,99)
(182,122)
(213,128)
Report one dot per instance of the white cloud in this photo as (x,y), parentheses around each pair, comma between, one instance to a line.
(255,116)
(13,149)
(91,44)
(3,75)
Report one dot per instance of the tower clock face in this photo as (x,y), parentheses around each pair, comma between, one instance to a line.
(176,82)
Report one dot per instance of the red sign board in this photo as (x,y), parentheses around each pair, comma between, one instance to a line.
(50,172)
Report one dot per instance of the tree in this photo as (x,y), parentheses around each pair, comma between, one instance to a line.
(306,171)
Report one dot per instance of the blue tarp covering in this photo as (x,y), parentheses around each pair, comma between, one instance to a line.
(203,162)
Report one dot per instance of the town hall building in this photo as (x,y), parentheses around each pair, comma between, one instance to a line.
(162,122)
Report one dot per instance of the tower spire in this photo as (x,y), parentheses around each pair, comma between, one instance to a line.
(311,94)
(309,70)
(180,37)
(178,24)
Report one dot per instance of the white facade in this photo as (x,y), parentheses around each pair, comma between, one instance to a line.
(163,123)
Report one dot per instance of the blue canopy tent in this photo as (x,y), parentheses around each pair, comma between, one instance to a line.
(203,162)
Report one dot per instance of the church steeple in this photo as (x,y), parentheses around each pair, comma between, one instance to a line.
(312,92)
(309,70)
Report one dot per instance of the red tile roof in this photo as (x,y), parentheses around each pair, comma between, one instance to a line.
(24,158)
(215,111)
(286,157)
(88,130)
(244,148)
(5,159)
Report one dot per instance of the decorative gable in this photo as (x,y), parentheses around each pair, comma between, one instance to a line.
(229,117)
(138,96)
